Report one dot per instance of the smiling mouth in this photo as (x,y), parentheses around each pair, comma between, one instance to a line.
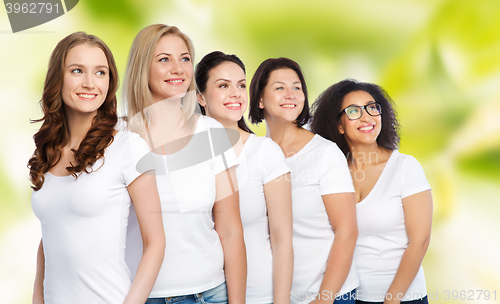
(87,96)
(233,105)
(367,128)
(289,106)
(175,81)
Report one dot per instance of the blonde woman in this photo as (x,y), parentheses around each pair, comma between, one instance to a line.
(201,216)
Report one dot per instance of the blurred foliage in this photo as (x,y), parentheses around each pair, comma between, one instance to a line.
(439,60)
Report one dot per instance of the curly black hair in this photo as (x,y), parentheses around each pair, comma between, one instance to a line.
(326,118)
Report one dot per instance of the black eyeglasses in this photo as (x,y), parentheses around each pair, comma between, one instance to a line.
(355,112)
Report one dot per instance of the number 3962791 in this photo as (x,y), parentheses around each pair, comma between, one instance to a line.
(31,8)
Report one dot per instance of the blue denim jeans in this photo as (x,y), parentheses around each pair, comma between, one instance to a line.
(216,295)
(346,298)
(419,301)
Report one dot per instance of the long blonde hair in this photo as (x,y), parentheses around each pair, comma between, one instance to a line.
(136,93)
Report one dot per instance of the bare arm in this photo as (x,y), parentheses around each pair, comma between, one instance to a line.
(341,210)
(226,213)
(278,193)
(39,277)
(418,220)
(146,200)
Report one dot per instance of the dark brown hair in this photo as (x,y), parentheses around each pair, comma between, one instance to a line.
(260,80)
(327,107)
(53,134)
(203,68)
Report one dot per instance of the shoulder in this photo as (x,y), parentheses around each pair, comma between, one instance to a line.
(323,145)
(267,147)
(208,122)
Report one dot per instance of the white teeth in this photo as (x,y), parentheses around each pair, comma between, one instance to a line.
(233,105)
(367,128)
(174,81)
(87,95)
(288,106)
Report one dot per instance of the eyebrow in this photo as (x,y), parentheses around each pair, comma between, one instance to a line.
(81,66)
(367,103)
(284,83)
(186,53)
(227,80)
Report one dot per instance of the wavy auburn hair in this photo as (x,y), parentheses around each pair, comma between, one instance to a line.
(53,134)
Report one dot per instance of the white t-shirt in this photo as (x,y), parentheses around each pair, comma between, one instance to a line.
(261,161)
(84,223)
(319,168)
(194,258)
(382,236)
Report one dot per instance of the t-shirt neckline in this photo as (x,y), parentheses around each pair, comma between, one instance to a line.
(304,148)
(382,175)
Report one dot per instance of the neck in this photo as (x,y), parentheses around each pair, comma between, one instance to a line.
(282,133)
(365,154)
(78,126)
(166,114)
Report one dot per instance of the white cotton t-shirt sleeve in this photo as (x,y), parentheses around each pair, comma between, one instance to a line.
(336,177)
(135,151)
(413,179)
(222,149)
(273,160)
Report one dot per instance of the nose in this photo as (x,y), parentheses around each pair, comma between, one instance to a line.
(176,67)
(365,116)
(290,94)
(235,93)
(88,82)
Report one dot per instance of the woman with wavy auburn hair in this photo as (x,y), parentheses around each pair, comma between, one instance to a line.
(203,230)
(84,179)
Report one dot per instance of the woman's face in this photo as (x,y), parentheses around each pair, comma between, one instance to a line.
(364,130)
(86,80)
(171,70)
(225,96)
(283,97)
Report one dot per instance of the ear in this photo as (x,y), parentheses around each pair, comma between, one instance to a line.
(261,105)
(341,130)
(201,100)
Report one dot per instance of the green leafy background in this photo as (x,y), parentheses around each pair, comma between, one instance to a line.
(438,59)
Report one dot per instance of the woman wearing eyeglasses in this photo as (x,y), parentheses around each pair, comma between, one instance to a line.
(394,202)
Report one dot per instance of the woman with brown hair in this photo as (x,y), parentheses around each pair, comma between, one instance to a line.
(84,179)
(204,235)
(324,213)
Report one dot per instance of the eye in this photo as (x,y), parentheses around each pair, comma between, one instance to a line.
(186,59)
(352,111)
(279,88)
(243,86)
(223,86)
(297,88)
(76,71)
(164,59)
(102,73)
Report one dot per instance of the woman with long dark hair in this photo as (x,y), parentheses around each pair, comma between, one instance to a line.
(263,181)
(84,179)
(394,201)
